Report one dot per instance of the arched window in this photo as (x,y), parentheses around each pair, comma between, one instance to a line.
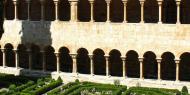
(36,57)
(116,12)
(151,11)
(22,10)
(9,10)
(63,10)
(83,10)
(184,67)
(169,14)
(185,12)
(10,55)
(35,10)
(49,12)
(133,11)
(100,11)
(50,58)
(23,56)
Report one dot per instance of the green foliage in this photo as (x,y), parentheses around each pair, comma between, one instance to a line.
(116,82)
(77,81)
(12,87)
(184,89)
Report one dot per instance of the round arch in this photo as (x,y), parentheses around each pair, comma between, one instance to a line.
(35,10)
(23,56)
(50,58)
(100,10)
(9,10)
(83,10)
(185,12)
(22,9)
(133,11)
(116,11)
(64,10)
(184,67)
(36,57)
(151,13)
(49,12)
(10,55)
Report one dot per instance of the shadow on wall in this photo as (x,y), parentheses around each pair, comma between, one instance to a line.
(36,32)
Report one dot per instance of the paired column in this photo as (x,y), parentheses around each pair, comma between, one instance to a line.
(4,58)
(58,64)
(142,10)
(141,68)
(74,63)
(92,10)
(108,10)
(42,10)
(107,65)
(178,11)
(124,65)
(91,65)
(56,10)
(177,69)
(125,10)
(15,5)
(159,68)
(43,60)
(16,59)
(30,58)
(160,10)
(73,4)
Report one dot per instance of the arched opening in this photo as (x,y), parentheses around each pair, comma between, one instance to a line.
(83,61)
(116,11)
(63,10)
(168,66)
(9,10)
(184,67)
(132,64)
(23,56)
(99,62)
(35,10)
(49,13)
(10,55)
(22,10)
(36,57)
(185,12)
(169,14)
(83,10)
(151,13)
(133,11)
(115,63)
(100,10)
(50,58)
(65,60)
(150,66)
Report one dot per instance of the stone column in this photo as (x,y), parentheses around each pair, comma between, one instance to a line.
(58,64)
(108,10)
(73,4)
(125,10)
(159,68)
(30,58)
(177,69)
(43,60)
(178,11)
(107,65)
(4,57)
(56,10)
(124,65)
(142,10)
(92,10)
(15,5)
(16,59)
(160,11)
(42,10)
(28,1)
(141,68)
(91,65)
(74,63)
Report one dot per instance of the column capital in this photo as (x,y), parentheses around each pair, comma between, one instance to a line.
(124,1)
(142,1)
(15,2)
(177,61)
(141,59)
(178,2)
(91,1)
(108,1)
(90,56)
(73,0)
(159,60)
(55,0)
(123,58)
(159,0)
(73,56)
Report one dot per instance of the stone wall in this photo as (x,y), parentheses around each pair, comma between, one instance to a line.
(158,38)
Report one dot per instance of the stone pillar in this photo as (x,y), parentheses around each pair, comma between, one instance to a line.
(56,10)
(74,63)
(142,10)
(177,69)
(73,4)
(4,57)
(28,4)
(141,68)
(159,68)
(42,10)
(178,11)
(43,60)
(16,59)
(30,58)
(92,10)
(125,10)
(108,10)
(91,65)
(124,65)
(107,65)
(15,5)
(160,11)
(58,64)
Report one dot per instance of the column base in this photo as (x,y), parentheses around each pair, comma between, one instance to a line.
(159,22)
(108,21)
(125,21)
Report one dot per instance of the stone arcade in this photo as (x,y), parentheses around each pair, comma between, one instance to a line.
(134,41)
